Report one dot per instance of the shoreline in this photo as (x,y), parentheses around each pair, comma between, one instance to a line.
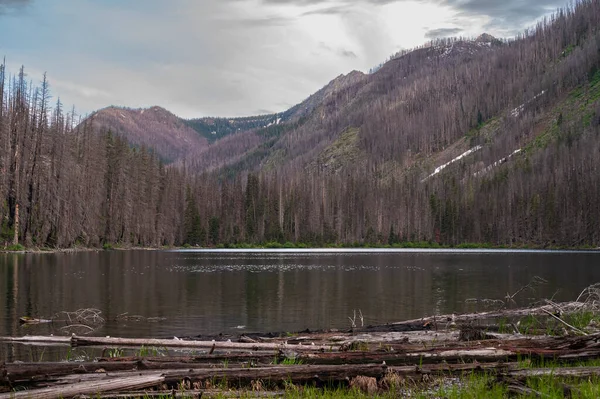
(408,247)
(506,351)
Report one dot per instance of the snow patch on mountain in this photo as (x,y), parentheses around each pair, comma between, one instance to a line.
(497,163)
(517,111)
(458,158)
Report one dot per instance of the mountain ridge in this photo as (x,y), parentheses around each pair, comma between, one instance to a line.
(449,144)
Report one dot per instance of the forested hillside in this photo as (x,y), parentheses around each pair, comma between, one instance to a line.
(169,136)
(459,141)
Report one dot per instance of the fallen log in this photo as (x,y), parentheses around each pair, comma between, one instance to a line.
(436,355)
(242,376)
(275,374)
(204,393)
(297,374)
(210,359)
(33,373)
(77,341)
(442,321)
(570,372)
(18,372)
(38,340)
(88,388)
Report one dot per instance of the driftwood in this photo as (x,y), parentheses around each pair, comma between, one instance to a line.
(443,321)
(570,372)
(204,394)
(18,372)
(88,388)
(38,340)
(414,350)
(298,374)
(211,346)
(77,341)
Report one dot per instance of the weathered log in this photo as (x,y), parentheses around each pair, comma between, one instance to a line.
(435,355)
(88,388)
(453,369)
(521,390)
(298,374)
(39,340)
(77,341)
(570,372)
(242,376)
(293,373)
(17,372)
(442,321)
(212,359)
(39,372)
(204,393)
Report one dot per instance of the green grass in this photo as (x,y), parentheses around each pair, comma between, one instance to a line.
(471,385)
(115,352)
(342,152)
(287,361)
(581,319)
(398,245)
(16,248)
(146,351)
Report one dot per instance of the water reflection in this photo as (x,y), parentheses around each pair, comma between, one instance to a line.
(207,293)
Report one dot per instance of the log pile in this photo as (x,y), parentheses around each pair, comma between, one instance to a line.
(268,365)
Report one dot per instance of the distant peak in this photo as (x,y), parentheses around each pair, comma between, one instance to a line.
(156,108)
(356,73)
(486,38)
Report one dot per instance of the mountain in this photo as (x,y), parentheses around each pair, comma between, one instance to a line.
(168,135)
(201,140)
(311,133)
(214,129)
(457,141)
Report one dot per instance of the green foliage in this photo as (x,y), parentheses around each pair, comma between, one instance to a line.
(473,386)
(473,245)
(194,234)
(216,128)
(568,50)
(214,227)
(581,319)
(252,205)
(287,361)
(146,351)
(594,76)
(273,244)
(393,237)
(342,152)
(115,352)
(107,246)
(7,233)
(16,248)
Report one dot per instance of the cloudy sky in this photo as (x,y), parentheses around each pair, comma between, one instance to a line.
(228,57)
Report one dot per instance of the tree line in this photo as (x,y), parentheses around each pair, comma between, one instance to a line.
(65,183)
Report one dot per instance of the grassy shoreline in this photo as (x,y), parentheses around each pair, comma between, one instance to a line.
(289,245)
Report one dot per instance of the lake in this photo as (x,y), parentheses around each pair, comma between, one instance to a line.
(190,293)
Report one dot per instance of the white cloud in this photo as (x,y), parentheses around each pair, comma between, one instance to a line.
(217,57)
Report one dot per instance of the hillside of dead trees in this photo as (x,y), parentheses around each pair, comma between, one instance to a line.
(359,168)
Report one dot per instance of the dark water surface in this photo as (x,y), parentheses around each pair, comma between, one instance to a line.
(212,292)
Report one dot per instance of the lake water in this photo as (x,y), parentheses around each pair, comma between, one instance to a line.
(188,293)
